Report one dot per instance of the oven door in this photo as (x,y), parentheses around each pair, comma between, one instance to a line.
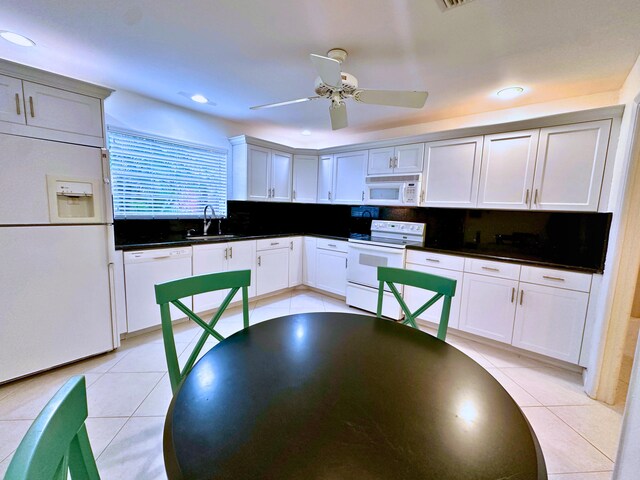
(364,261)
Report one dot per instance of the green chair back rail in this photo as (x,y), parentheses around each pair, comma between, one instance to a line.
(171,293)
(441,286)
(57,442)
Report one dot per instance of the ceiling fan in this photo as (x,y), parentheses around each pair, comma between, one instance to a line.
(337,86)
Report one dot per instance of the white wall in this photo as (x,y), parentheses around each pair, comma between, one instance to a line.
(134,112)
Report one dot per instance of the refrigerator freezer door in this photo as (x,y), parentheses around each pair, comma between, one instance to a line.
(55,292)
(26,163)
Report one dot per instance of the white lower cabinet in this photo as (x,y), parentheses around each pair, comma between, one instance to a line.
(331,267)
(550,321)
(222,257)
(295,261)
(309,262)
(488,306)
(272,270)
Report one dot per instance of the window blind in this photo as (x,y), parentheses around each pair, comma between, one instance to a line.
(161,178)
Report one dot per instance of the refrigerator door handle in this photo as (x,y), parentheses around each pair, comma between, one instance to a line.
(108,195)
(112,303)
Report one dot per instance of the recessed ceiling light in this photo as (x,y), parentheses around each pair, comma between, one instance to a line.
(510,92)
(17,38)
(199,98)
(306,133)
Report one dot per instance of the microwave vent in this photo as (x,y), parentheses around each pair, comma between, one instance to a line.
(394,179)
(446,5)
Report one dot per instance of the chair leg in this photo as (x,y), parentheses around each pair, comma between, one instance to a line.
(380,297)
(245,307)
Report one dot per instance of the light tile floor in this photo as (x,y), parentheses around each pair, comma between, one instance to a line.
(129,393)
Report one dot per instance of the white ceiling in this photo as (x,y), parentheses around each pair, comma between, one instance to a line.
(241,53)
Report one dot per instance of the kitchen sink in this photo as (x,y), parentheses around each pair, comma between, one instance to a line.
(210,237)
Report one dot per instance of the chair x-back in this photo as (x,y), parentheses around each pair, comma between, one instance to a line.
(441,286)
(170,293)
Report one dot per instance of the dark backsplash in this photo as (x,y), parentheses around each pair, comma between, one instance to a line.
(572,239)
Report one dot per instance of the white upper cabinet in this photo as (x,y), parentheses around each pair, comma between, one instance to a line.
(259,187)
(570,166)
(508,165)
(305,179)
(451,172)
(71,112)
(341,177)
(269,174)
(56,109)
(11,103)
(349,177)
(401,159)
(325,179)
(281,168)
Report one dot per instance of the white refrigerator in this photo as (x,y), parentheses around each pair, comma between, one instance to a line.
(56,244)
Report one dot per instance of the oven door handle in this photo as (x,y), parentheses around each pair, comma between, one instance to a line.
(375,248)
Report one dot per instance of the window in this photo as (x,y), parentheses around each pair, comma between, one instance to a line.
(161,178)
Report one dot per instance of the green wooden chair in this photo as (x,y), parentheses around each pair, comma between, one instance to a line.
(443,287)
(171,293)
(57,444)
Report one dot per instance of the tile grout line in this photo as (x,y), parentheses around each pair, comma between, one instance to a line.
(580,434)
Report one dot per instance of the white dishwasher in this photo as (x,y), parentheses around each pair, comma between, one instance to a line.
(143,269)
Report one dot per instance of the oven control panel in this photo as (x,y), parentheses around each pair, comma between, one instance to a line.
(396,229)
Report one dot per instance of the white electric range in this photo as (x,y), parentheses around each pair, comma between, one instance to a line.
(385,247)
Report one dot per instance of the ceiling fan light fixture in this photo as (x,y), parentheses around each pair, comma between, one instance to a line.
(510,92)
(17,39)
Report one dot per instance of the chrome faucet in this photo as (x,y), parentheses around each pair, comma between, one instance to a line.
(206,223)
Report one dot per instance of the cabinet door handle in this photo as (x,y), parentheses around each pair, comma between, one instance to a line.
(395,162)
(18,104)
(291,245)
(513,294)
(434,260)
(332,245)
(259,261)
(521,296)
(535,197)
(226,253)
(548,277)
(294,194)
(275,243)
(491,269)
(230,252)
(390,162)
(33,114)
(346,263)
(363,195)
(329,195)
(526,198)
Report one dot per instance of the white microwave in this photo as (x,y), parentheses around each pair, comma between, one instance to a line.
(393,190)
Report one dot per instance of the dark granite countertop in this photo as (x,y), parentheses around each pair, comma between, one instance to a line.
(510,257)
(185,242)
(489,254)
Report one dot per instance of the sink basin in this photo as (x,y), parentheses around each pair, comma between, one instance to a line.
(209,237)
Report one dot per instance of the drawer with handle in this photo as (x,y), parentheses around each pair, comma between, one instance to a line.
(557,278)
(492,269)
(273,243)
(335,245)
(437,260)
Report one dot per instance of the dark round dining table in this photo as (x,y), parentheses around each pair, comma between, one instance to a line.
(344,396)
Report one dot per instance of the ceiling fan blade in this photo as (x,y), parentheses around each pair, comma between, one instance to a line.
(338,116)
(392,98)
(288,102)
(328,70)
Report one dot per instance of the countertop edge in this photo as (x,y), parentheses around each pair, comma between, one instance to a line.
(187,242)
